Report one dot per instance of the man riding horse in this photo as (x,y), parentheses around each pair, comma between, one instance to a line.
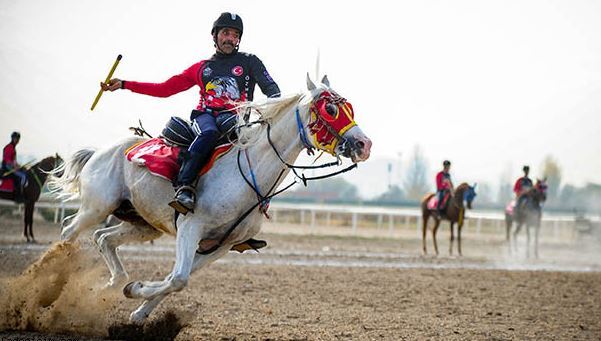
(444,186)
(521,186)
(10,167)
(225,79)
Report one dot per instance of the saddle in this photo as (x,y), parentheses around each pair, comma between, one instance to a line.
(433,202)
(7,184)
(160,155)
(510,208)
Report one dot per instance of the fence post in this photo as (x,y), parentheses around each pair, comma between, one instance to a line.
(62,211)
(390,224)
(313,219)
(354,223)
(328,218)
(274,216)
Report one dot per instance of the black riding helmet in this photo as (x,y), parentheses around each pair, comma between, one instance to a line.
(526,168)
(227,19)
(446,163)
(15,134)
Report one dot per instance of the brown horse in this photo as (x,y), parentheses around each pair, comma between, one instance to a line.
(36,177)
(454,213)
(528,214)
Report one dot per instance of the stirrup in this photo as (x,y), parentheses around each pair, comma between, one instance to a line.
(251,244)
(178,206)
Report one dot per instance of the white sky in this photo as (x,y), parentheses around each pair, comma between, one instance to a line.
(487,84)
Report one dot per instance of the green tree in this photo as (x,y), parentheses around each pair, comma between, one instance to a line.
(552,172)
(394,195)
(416,184)
(332,189)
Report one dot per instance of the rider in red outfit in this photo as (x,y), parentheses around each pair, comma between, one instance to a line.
(226,79)
(10,166)
(522,185)
(444,184)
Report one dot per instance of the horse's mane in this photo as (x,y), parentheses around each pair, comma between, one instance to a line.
(462,186)
(268,109)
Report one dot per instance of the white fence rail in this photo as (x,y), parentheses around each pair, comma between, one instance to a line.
(356,217)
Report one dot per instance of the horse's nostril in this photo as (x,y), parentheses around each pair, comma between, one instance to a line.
(360,144)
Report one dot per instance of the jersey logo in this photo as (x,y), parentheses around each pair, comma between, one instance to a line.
(207,71)
(237,70)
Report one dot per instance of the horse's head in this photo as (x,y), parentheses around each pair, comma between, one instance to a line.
(541,189)
(469,193)
(50,163)
(332,124)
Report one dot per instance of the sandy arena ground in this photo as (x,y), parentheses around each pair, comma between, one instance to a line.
(305,287)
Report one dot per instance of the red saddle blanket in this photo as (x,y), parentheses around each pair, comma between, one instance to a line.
(433,202)
(7,185)
(510,207)
(161,159)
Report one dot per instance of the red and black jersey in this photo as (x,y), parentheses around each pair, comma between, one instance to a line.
(443,180)
(9,156)
(522,184)
(224,81)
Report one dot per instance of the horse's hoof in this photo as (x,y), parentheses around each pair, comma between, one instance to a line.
(137,317)
(128,290)
(115,282)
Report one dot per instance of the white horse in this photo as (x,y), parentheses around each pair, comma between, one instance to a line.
(104,180)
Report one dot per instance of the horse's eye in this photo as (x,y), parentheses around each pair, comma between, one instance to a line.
(332,109)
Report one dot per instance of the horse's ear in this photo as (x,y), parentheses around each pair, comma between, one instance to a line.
(310,85)
(325,81)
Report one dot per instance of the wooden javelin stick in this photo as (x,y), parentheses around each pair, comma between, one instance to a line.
(108,78)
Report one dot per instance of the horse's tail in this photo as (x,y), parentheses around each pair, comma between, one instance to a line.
(64,180)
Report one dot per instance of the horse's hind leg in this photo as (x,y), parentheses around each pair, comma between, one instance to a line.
(85,219)
(508,223)
(27,222)
(518,227)
(108,239)
(425,218)
(536,233)
(451,242)
(200,261)
(434,230)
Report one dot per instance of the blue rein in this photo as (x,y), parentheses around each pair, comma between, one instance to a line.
(302,133)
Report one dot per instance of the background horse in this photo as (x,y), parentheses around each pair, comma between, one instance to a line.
(36,177)
(529,214)
(454,213)
(225,213)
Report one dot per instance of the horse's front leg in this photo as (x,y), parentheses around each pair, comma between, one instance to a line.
(188,236)
(144,310)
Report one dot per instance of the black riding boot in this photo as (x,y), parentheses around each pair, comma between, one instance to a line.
(185,196)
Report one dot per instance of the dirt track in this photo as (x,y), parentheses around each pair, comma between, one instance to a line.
(235,299)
